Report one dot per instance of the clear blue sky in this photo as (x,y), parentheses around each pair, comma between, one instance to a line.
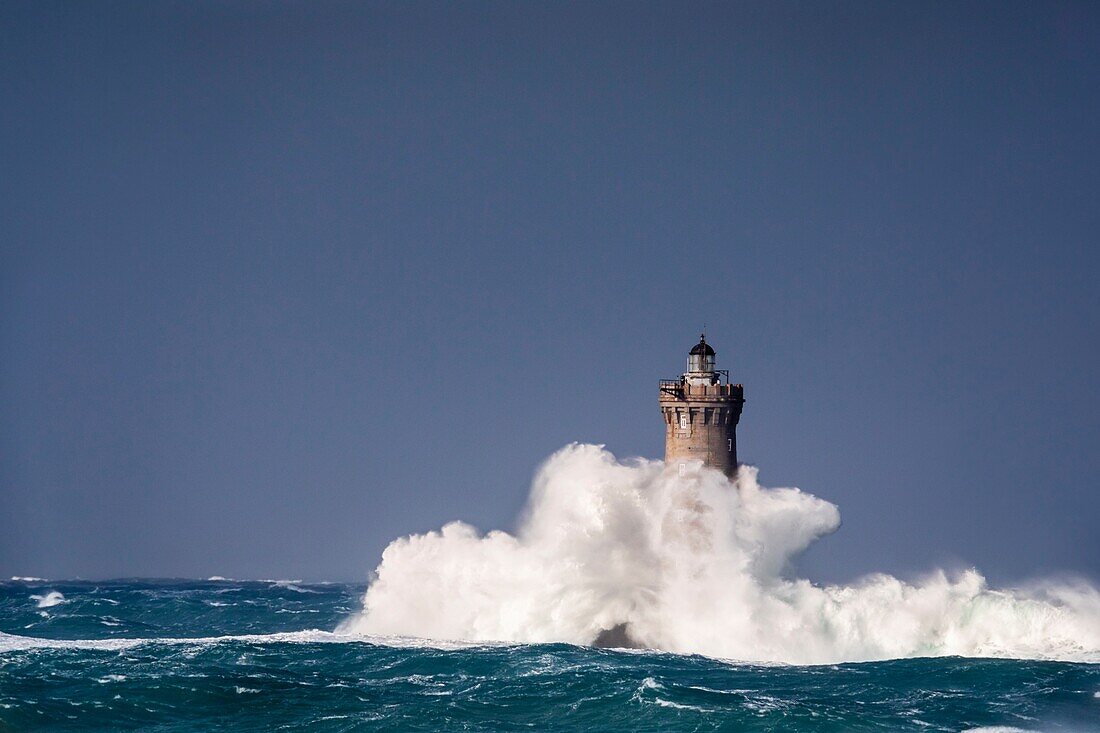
(280,282)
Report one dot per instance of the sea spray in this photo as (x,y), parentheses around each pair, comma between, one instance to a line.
(694,563)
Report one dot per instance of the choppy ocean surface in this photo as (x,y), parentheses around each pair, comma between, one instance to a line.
(264,655)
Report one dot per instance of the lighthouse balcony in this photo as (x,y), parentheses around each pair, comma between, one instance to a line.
(679,389)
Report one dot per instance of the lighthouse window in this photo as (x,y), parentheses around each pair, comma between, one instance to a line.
(683,421)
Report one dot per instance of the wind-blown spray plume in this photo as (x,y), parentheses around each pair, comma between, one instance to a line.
(693,564)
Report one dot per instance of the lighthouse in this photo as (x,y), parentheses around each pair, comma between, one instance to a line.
(701,410)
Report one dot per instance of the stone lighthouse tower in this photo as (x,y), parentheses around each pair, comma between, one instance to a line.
(701,410)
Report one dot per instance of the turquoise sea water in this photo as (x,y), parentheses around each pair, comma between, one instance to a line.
(263,656)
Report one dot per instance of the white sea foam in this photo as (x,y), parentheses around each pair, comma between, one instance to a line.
(694,564)
(53,598)
(290,585)
(18,643)
(27,579)
(14,642)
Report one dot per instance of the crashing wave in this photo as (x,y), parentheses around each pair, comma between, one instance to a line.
(630,554)
(49,600)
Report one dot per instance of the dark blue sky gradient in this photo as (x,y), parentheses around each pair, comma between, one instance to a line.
(280,282)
